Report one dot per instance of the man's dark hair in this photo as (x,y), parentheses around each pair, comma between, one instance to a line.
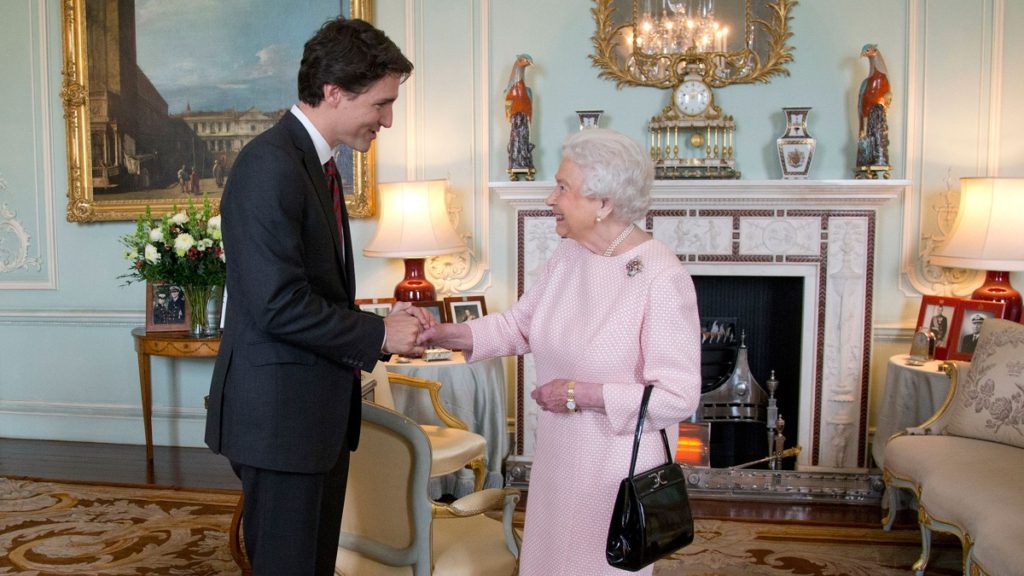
(351,54)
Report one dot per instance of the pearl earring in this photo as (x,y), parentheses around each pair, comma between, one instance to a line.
(598,218)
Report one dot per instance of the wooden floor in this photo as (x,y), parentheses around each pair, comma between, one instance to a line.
(200,468)
(115,464)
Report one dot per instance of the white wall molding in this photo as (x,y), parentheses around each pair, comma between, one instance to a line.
(935,159)
(467,272)
(79,318)
(20,233)
(113,423)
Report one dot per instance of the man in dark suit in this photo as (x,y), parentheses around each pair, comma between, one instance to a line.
(284,403)
(969,341)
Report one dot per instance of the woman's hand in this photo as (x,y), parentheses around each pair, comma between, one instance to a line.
(453,336)
(553,396)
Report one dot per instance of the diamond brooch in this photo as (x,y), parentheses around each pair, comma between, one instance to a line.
(634,267)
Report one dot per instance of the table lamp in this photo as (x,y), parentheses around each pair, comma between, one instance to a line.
(987,236)
(413,225)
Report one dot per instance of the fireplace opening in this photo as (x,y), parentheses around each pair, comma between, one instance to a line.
(765,314)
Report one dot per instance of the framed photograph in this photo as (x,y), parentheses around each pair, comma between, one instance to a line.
(164,122)
(378,306)
(967,322)
(936,314)
(166,308)
(462,308)
(435,307)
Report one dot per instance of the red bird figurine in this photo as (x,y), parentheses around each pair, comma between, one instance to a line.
(519,112)
(872,105)
(875,88)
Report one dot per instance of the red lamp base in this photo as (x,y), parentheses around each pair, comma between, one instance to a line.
(996,288)
(415,287)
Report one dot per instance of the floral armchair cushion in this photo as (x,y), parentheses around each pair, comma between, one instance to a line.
(989,403)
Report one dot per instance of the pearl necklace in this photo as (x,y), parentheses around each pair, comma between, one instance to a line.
(615,243)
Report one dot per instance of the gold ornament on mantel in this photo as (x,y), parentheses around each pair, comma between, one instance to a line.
(691,138)
(692,46)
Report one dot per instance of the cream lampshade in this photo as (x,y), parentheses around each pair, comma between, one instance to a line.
(987,236)
(413,225)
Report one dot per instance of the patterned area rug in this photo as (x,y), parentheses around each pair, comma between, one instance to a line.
(49,529)
(730,548)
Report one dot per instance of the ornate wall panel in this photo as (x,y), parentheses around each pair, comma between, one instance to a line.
(26,170)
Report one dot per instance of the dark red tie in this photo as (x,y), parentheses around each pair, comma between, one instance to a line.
(334,185)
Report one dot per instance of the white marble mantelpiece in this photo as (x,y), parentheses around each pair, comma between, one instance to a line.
(820,230)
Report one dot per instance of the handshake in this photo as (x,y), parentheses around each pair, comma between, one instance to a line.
(411,330)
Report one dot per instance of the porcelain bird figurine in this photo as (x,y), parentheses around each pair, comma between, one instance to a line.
(519,112)
(872,106)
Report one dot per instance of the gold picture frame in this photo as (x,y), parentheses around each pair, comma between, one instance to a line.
(121,168)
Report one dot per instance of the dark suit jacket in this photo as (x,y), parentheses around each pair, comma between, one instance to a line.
(969,342)
(285,389)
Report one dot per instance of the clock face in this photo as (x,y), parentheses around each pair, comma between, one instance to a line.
(692,97)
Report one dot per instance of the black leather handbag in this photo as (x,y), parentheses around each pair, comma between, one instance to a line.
(652,517)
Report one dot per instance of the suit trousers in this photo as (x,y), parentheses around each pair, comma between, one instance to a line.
(291,521)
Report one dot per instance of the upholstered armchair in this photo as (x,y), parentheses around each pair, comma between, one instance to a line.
(452,446)
(391,526)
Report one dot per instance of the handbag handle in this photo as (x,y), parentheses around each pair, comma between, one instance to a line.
(639,432)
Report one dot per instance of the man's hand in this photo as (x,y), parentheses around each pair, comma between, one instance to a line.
(404,325)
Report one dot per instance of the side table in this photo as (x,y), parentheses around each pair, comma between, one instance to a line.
(912,395)
(171,344)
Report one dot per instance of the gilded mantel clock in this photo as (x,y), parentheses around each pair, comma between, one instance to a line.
(692,48)
(691,138)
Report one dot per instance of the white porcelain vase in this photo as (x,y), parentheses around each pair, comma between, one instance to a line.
(796,146)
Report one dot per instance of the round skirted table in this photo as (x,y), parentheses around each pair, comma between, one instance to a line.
(912,394)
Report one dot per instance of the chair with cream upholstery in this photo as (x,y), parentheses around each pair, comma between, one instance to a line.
(453,446)
(391,526)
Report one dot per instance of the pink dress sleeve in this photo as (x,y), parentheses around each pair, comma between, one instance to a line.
(670,350)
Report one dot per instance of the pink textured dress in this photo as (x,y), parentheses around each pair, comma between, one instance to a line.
(586,319)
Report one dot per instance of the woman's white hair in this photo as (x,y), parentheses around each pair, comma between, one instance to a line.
(614,167)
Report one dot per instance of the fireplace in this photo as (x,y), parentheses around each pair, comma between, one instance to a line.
(764,315)
(817,237)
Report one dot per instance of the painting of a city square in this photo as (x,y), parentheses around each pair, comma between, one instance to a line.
(176,89)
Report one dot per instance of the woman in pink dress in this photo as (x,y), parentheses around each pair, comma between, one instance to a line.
(614,310)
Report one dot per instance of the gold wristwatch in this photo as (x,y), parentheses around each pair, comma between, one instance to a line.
(570,396)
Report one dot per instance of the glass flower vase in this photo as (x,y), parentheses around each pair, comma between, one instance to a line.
(204,308)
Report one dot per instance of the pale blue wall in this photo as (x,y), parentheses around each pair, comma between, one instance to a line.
(67,367)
